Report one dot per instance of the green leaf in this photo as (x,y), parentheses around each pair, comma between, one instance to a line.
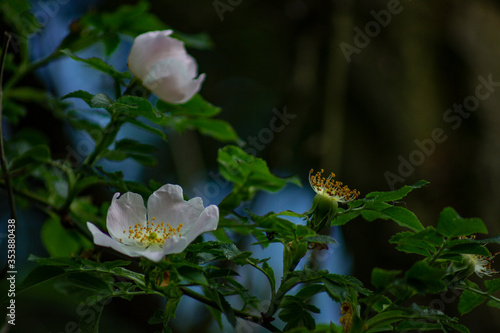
(400,215)
(192,275)
(215,128)
(35,156)
(140,124)
(423,242)
(62,242)
(89,282)
(403,217)
(196,106)
(40,275)
(248,173)
(470,248)
(425,278)
(134,106)
(343,218)
(271,222)
(101,101)
(91,317)
(81,94)
(100,65)
(450,224)
(468,301)
(323,239)
(492,285)
(130,145)
(382,278)
(295,312)
(395,195)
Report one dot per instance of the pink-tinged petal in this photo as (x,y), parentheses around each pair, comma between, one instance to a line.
(151,47)
(102,239)
(126,210)
(207,221)
(171,82)
(167,204)
(164,66)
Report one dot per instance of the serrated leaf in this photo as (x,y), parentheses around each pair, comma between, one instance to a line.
(147,127)
(81,94)
(468,301)
(342,219)
(101,101)
(425,278)
(423,242)
(382,278)
(492,285)
(395,195)
(196,106)
(248,173)
(100,65)
(451,224)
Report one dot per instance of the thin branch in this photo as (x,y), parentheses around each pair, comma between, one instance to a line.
(253,318)
(3,161)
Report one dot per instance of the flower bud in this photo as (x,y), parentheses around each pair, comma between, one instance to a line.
(163,65)
(322,212)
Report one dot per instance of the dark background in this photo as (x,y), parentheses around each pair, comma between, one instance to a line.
(358,119)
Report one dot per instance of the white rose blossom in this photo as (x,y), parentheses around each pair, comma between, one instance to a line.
(168,225)
(164,67)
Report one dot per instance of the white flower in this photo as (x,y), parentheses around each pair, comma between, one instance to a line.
(479,264)
(164,67)
(168,225)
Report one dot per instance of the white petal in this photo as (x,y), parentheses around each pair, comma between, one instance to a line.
(102,239)
(175,245)
(148,49)
(207,221)
(125,211)
(167,204)
(171,81)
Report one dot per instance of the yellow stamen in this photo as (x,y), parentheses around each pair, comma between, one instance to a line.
(151,234)
(330,187)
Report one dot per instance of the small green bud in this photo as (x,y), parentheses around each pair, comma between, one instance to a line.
(292,254)
(322,212)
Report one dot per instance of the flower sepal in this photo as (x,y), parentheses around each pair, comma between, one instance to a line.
(323,210)
(294,251)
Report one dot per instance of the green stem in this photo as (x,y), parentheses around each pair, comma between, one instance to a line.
(238,313)
(271,282)
(3,162)
(482,293)
(438,252)
(109,134)
(25,70)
